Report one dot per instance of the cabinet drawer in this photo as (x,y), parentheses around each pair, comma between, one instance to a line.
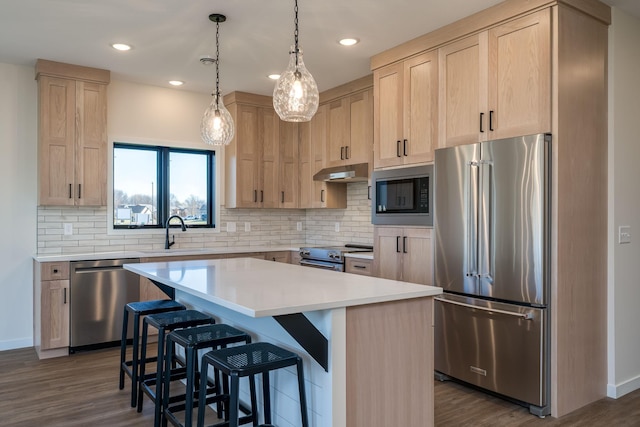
(54,270)
(359,266)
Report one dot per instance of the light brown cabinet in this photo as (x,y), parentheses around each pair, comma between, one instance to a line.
(497,83)
(406,111)
(350,129)
(403,253)
(261,167)
(51,308)
(312,148)
(279,256)
(72,134)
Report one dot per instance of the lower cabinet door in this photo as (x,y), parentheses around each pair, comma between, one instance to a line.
(496,346)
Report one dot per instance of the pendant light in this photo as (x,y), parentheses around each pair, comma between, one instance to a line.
(217,124)
(295,97)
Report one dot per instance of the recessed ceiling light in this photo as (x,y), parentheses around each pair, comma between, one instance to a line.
(274,76)
(348,41)
(121,46)
(176,82)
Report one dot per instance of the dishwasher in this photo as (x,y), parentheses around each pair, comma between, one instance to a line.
(98,292)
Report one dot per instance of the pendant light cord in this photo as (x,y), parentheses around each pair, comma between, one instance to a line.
(295,33)
(217,63)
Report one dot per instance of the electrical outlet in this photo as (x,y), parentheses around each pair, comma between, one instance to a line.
(231,227)
(624,234)
(299,226)
(68,229)
(337,227)
(247,226)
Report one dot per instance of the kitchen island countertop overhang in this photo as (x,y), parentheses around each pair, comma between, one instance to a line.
(259,288)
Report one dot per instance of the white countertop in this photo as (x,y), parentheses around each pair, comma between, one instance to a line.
(259,288)
(161,253)
(359,255)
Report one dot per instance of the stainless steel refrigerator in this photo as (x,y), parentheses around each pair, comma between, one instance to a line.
(492,260)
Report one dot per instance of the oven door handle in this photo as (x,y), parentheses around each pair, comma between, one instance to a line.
(306,263)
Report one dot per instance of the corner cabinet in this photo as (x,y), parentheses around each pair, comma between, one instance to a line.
(497,83)
(406,111)
(261,168)
(72,134)
(51,309)
(350,129)
(403,253)
(312,147)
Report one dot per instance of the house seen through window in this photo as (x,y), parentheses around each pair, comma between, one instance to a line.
(150,184)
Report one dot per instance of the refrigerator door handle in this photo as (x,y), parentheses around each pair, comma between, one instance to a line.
(525,316)
(471,201)
(485,222)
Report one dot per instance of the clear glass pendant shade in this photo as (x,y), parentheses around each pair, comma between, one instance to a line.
(295,96)
(217,124)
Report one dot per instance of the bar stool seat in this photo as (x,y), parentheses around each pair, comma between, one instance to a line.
(192,340)
(151,384)
(249,360)
(137,309)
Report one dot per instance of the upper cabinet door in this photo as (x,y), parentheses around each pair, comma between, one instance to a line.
(91,144)
(244,152)
(463,91)
(420,108)
(269,138)
(388,115)
(360,147)
(337,132)
(57,100)
(520,76)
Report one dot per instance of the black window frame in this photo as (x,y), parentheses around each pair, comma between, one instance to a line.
(163,179)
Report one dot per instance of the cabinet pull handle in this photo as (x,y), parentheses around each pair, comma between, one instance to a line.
(346,152)
(261,196)
(481,120)
(404,147)
(359,266)
(65,296)
(398,244)
(404,244)
(369,192)
(341,153)
(491,120)
(255,196)
(282,197)
(398,149)
(79,191)
(322,196)
(70,191)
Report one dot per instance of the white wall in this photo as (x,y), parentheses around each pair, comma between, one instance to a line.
(624,205)
(18,189)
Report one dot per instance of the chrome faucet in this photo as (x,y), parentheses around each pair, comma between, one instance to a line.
(168,244)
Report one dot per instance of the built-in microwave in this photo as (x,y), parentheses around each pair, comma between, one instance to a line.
(402,196)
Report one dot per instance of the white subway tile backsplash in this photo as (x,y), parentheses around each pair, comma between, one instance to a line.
(269,227)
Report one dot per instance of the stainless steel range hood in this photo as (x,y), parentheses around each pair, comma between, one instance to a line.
(348,173)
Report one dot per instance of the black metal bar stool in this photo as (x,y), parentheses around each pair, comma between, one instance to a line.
(151,384)
(130,367)
(250,360)
(192,340)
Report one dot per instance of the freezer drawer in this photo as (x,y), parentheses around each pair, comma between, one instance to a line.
(499,347)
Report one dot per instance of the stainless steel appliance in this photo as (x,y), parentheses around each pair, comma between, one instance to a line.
(402,196)
(98,292)
(331,257)
(492,261)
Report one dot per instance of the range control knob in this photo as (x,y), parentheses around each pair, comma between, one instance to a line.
(305,253)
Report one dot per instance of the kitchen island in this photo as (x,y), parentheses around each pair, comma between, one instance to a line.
(367,343)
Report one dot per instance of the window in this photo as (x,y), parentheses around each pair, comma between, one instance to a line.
(150,184)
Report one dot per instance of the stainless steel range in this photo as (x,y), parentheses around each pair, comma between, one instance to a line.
(329,257)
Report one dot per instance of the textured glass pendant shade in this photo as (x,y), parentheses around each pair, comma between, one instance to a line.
(295,96)
(217,124)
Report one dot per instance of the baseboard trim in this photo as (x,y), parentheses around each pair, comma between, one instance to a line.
(615,391)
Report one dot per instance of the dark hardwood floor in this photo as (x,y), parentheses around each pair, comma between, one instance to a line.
(82,390)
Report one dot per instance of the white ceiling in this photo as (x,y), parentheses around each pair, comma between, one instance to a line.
(170,36)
